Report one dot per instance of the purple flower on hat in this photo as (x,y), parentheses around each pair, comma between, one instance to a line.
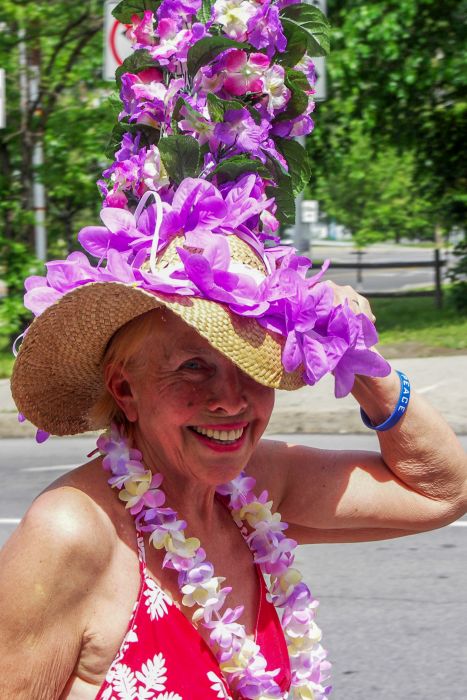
(360,335)
(233,16)
(274,87)
(121,232)
(240,131)
(142,30)
(62,277)
(265,30)
(181,10)
(289,128)
(175,42)
(246,200)
(243,72)
(198,208)
(143,96)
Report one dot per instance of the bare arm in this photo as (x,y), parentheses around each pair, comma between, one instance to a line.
(416,483)
(48,570)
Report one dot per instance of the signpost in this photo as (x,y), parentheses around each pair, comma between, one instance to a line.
(310,211)
(301,235)
(2,99)
(320,61)
(117,46)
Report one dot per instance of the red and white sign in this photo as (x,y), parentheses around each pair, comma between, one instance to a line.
(116,44)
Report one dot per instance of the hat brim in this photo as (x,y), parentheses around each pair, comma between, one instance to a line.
(57,376)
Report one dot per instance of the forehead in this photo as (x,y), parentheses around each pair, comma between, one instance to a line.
(172,336)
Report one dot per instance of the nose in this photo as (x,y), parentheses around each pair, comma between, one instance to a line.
(227,390)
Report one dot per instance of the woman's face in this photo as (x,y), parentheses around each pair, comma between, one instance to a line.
(193,409)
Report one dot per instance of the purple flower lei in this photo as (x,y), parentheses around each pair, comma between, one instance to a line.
(239,657)
(211,102)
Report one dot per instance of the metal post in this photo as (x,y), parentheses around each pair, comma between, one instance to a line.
(38,190)
(299,235)
(2,99)
(438,287)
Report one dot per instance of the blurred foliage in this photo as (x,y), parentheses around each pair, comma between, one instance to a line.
(60,100)
(397,73)
(458,276)
(373,192)
(68,112)
(17,262)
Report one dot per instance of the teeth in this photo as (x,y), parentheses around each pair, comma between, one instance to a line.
(223,435)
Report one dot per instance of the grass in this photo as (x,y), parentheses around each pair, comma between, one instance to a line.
(415,320)
(405,325)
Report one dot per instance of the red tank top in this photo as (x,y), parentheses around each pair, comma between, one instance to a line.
(163,657)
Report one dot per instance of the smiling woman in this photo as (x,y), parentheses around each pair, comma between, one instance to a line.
(156,570)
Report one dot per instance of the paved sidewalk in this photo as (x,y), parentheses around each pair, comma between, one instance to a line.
(442,380)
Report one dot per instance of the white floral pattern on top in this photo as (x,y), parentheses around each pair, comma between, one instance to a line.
(218,686)
(144,684)
(156,599)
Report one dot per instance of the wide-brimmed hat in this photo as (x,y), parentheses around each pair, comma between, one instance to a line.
(58,374)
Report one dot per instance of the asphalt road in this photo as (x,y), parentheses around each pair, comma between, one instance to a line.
(378,280)
(393,612)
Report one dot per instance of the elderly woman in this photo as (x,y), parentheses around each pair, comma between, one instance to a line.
(78,569)
(156,570)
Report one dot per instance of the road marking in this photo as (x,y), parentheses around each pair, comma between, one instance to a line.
(459,523)
(55,468)
(9,521)
(426,389)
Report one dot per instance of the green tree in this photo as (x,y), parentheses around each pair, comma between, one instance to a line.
(58,47)
(400,70)
(52,55)
(371,192)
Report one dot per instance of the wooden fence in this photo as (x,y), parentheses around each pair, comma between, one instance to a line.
(437,264)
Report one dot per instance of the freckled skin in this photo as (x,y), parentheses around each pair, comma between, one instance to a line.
(185,383)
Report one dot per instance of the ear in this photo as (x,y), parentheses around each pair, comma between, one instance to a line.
(118,384)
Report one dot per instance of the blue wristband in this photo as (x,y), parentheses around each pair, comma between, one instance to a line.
(399,410)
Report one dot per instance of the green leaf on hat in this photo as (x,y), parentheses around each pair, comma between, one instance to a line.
(296,44)
(297,161)
(217,107)
(126,9)
(176,114)
(205,50)
(298,102)
(309,22)
(135,63)
(181,156)
(204,13)
(231,168)
(282,193)
(149,136)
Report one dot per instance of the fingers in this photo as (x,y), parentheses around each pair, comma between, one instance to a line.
(358,303)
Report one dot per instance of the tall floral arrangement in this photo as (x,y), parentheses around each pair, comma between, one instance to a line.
(213,97)
(216,90)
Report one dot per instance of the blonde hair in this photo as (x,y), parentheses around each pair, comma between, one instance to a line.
(124,349)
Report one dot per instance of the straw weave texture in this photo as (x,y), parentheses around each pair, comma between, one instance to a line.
(57,376)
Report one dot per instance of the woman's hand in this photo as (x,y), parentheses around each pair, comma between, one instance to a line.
(358,303)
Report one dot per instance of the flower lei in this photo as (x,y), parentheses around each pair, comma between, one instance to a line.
(239,657)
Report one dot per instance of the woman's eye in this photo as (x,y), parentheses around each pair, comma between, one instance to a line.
(192,364)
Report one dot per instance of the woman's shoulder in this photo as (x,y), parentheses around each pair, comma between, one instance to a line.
(64,520)
(266,465)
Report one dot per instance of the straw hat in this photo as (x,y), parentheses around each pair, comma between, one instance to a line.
(58,376)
